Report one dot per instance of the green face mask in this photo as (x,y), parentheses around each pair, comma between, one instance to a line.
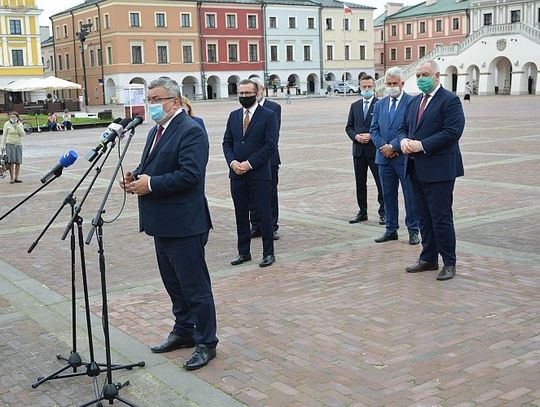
(425,84)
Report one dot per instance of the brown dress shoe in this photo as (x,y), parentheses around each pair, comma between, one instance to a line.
(446,273)
(422,265)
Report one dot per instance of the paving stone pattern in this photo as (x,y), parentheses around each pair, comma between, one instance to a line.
(335,321)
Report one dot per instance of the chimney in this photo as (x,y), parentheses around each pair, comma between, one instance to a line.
(392,8)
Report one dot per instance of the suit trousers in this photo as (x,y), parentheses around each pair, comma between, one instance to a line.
(361,165)
(254,218)
(433,204)
(391,175)
(255,194)
(185,276)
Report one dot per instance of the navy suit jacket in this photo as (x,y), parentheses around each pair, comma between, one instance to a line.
(276,108)
(439,130)
(385,132)
(356,124)
(256,146)
(200,122)
(177,206)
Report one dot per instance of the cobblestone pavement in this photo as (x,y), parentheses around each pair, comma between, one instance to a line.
(335,321)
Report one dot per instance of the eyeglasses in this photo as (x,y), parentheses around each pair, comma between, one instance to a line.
(247,93)
(158,100)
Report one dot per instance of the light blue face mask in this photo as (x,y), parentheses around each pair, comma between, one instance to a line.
(367,93)
(156,112)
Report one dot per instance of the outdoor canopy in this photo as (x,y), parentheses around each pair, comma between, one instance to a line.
(35,84)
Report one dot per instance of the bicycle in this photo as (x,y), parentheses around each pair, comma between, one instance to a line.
(27,127)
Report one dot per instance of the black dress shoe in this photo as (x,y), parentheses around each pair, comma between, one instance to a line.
(267,260)
(255,233)
(202,355)
(446,273)
(414,239)
(386,237)
(173,342)
(382,220)
(422,265)
(359,218)
(275,236)
(242,258)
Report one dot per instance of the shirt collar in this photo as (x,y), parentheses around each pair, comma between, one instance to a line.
(169,121)
(251,109)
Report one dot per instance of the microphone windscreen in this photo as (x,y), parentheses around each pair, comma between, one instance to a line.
(68,158)
(125,121)
(117,120)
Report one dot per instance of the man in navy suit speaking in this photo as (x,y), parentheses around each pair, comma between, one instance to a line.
(173,209)
(387,118)
(249,141)
(430,135)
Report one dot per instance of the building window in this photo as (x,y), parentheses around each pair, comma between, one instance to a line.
(15,27)
(92,58)
(421,51)
(65,30)
(210,21)
(160,19)
(136,54)
(362,52)
(253,53)
(162,57)
(382,35)
(67,61)
(393,30)
(408,53)
(438,25)
(231,20)
(307,53)
(107,21)
(187,54)
(292,22)
(89,23)
(455,23)
(515,16)
(134,20)
(382,58)
(60,64)
(185,20)
(290,53)
(329,24)
(422,27)
(273,22)
(252,21)
(232,52)
(330,52)
(538,20)
(212,52)
(96,22)
(99,58)
(57,29)
(488,19)
(80,25)
(408,29)
(109,56)
(311,23)
(347,52)
(393,54)
(346,24)
(273,53)
(361,24)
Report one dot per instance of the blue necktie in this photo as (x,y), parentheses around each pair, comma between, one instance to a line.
(392,111)
(366,108)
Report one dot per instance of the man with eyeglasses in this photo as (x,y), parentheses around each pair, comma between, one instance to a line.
(169,183)
(249,141)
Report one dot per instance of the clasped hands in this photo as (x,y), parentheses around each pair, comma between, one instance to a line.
(409,146)
(240,168)
(388,152)
(135,186)
(363,138)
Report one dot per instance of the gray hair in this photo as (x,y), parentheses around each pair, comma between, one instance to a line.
(170,85)
(434,65)
(395,72)
(258,81)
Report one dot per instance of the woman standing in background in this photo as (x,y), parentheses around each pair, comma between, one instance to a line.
(11,141)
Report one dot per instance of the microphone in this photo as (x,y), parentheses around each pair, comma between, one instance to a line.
(115,129)
(134,123)
(65,161)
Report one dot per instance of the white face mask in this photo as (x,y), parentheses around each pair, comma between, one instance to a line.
(393,92)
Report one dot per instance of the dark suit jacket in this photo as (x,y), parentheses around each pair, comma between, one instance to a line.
(177,206)
(356,124)
(439,130)
(385,132)
(200,122)
(276,108)
(256,146)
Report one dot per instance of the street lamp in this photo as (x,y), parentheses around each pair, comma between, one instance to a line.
(85,30)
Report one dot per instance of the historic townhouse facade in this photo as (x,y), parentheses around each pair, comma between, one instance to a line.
(20,56)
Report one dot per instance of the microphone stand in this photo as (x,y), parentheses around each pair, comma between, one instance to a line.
(110,389)
(74,361)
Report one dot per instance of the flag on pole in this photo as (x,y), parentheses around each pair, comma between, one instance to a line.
(346,9)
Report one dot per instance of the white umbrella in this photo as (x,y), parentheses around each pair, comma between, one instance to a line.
(33,84)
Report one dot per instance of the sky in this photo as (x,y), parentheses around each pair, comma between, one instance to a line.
(51,7)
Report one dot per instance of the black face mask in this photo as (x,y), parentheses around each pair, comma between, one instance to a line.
(247,101)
